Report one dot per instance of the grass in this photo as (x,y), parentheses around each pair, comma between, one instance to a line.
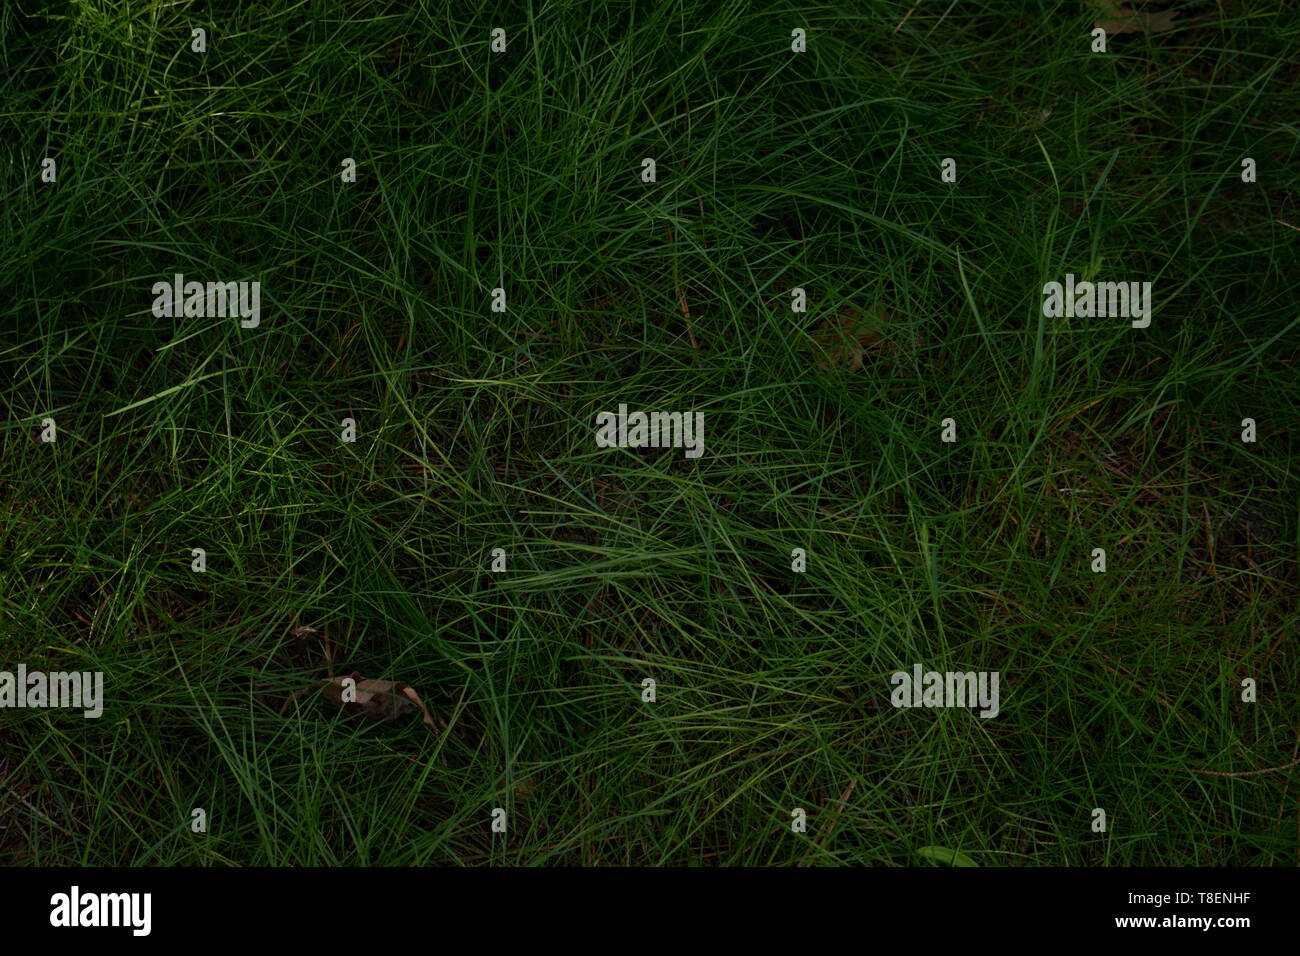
(522,169)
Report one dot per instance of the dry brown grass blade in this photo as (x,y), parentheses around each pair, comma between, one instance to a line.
(1246,773)
(915,4)
(681,294)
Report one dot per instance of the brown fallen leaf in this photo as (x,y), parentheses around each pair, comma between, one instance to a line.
(1117,20)
(411,695)
(847,337)
(376,699)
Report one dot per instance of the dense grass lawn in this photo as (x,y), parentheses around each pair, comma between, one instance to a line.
(823,430)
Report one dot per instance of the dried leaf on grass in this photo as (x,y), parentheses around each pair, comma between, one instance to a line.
(847,337)
(376,699)
(1117,20)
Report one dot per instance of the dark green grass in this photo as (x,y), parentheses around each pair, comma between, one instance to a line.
(476,430)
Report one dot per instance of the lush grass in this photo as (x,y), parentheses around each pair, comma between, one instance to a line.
(475,431)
